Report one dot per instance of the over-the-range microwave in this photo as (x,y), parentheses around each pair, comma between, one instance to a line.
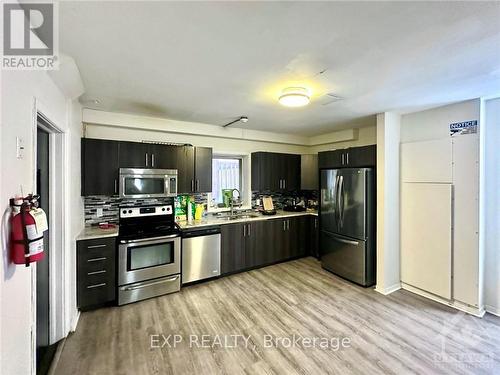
(148,183)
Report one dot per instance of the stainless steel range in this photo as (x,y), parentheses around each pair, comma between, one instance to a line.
(149,252)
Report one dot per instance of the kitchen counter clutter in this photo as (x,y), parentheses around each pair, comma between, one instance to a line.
(94,232)
(211,219)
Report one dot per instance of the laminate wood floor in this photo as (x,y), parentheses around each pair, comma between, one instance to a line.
(397,334)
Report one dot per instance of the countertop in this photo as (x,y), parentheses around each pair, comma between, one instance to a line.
(210,220)
(89,233)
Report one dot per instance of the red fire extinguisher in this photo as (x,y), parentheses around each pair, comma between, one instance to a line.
(26,244)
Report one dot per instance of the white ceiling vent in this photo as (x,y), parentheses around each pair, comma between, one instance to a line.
(329,98)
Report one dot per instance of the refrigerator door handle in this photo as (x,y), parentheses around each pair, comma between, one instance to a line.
(337,201)
(349,242)
(335,195)
(341,206)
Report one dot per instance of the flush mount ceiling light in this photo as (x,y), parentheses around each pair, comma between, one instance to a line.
(294,97)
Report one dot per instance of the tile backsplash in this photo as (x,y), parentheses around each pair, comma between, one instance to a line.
(110,206)
(280,198)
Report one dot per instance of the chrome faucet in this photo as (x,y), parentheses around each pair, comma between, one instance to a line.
(233,200)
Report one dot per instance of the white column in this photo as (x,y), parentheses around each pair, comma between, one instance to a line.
(489,232)
(388,259)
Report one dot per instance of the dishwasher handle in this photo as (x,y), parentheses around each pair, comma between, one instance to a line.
(201,232)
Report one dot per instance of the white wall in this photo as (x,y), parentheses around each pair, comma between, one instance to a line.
(19,89)
(491,206)
(75,220)
(360,137)
(388,260)
(434,123)
(363,137)
(218,144)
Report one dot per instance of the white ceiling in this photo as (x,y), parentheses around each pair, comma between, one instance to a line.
(213,62)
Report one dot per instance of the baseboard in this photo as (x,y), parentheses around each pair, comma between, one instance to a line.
(492,310)
(74,323)
(388,290)
(472,310)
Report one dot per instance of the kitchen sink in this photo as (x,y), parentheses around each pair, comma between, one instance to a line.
(247,216)
(239,216)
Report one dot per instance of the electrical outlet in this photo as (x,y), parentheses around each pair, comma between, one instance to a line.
(19,148)
(99,212)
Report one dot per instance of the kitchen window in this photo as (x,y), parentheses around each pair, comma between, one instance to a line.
(226,174)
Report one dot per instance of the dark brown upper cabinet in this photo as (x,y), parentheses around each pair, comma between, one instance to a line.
(135,155)
(203,169)
(100,167)
(163,156)
(275,172)
(353,157)
(194,165)
(102,159)
(146,155)
(185,169)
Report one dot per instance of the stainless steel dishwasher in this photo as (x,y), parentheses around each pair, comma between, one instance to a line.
(200,254)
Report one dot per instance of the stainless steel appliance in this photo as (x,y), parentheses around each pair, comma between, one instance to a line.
(149,252)
(347,223)
(148,183)
(200,254)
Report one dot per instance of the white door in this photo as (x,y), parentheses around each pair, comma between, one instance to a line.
(426,237)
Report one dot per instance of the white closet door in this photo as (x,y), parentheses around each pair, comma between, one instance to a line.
(426,219)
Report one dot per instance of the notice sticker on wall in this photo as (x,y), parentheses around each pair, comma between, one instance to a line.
(465,127)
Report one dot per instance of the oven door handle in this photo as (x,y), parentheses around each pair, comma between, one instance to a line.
(147,284)
(150,239)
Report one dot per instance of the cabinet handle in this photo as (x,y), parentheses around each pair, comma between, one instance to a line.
(284,184)
(96,259)
(284,225)
(342,159)
(248,230)
(96,286)
(244,230)
(152,160)
(146,157)
(315,223)
(347,157)
(96,272)
(192,185)
(198,185)
(116,186)
(95,246)
(288,225)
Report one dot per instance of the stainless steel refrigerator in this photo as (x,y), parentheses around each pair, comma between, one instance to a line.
(347,223)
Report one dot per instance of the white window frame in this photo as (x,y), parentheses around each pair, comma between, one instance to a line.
(246,191)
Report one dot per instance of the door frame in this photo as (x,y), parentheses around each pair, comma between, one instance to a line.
(57,225)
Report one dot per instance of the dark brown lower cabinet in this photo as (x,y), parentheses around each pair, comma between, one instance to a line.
(232,248)
(314,236)
(259,243)
(95,269)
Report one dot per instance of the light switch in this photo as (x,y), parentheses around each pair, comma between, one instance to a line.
(19,148)
(99,212)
